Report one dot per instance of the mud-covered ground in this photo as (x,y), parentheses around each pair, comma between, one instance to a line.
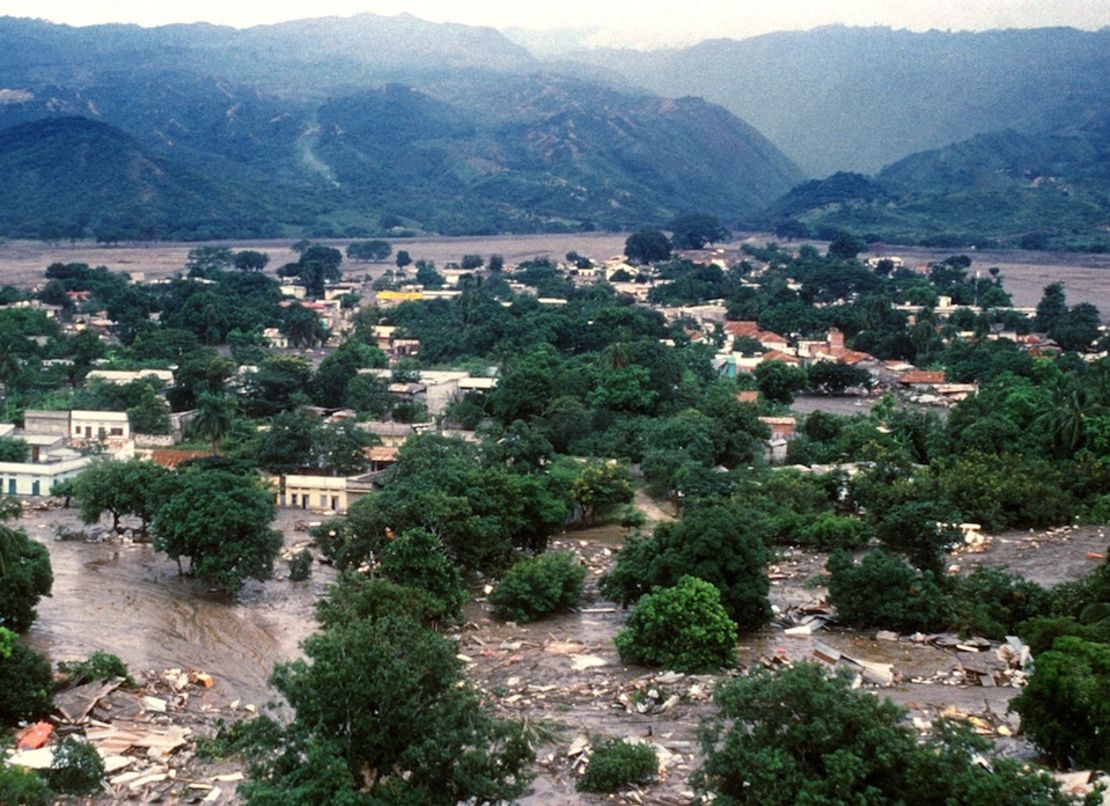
(1024,274)
(562,674)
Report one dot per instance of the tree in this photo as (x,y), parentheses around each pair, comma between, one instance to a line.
(250,260)
(647,246)
(302,326)
(416,558)
(684,628)
(845,246)
(221,522)
(402,259)
(376,250)
(285,446)
(713,542)
(1065,706)
(150,415)
(472,262)
(800,736)
(14,449)
(387,696)
(119,488)
(340,448)
(779,381)
(25,577)
(427,275)
(831,378)
(921,530)
(599,487)
(205,261)
(1078,328)
(496,263)
(1052,308)
(25,681)
(696,230)
(538,586)
(214,417)
(884,591)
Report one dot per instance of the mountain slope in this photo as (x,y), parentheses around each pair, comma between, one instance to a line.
(330,126)
(1042,190)
(68,171)
(856,99)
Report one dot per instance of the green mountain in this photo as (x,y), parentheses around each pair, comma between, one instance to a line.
(1048,190)
(349,127)
(856,99)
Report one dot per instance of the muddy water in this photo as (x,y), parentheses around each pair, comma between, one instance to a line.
(129,600)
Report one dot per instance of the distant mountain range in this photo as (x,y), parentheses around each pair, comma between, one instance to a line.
(337,127)
(376,125)
(1037,191)
(857,99)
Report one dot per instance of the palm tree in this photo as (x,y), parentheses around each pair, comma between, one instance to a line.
(215,414)
(1065,419)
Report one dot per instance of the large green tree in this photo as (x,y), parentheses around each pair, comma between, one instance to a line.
(801,736)
(382,710)
(713,542)
(25,577)
(647,246)
(221,522)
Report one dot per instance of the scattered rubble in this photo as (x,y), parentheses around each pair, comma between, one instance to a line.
(146,736)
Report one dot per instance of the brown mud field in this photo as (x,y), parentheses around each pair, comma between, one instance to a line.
(1086,277)
(562,675)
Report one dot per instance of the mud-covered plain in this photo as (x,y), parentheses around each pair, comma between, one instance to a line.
(561,675)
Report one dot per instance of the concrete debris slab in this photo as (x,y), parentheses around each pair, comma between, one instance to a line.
(39,759)
(579,746)
(582,662)
(156,704)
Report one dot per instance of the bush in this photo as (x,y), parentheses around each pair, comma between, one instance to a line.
(714,542)
(537,586)
(247,737)
(300,566)
(98,666)
(1065,706)
(25,577)
(616,763)
(801,736)
(884,591)
(991,602)
(417,559)
(24,787)
(685,628)
(25,681)
(828,531)
(77,768)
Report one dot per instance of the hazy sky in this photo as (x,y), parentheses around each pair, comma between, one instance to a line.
(632,22)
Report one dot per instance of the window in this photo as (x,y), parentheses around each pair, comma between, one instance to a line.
(35,487)
(116,431)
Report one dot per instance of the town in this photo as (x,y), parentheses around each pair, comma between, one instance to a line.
(776,455)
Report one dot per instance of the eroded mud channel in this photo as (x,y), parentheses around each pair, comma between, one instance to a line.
(562,675)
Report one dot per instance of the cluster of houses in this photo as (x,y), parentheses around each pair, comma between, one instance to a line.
(62,443)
